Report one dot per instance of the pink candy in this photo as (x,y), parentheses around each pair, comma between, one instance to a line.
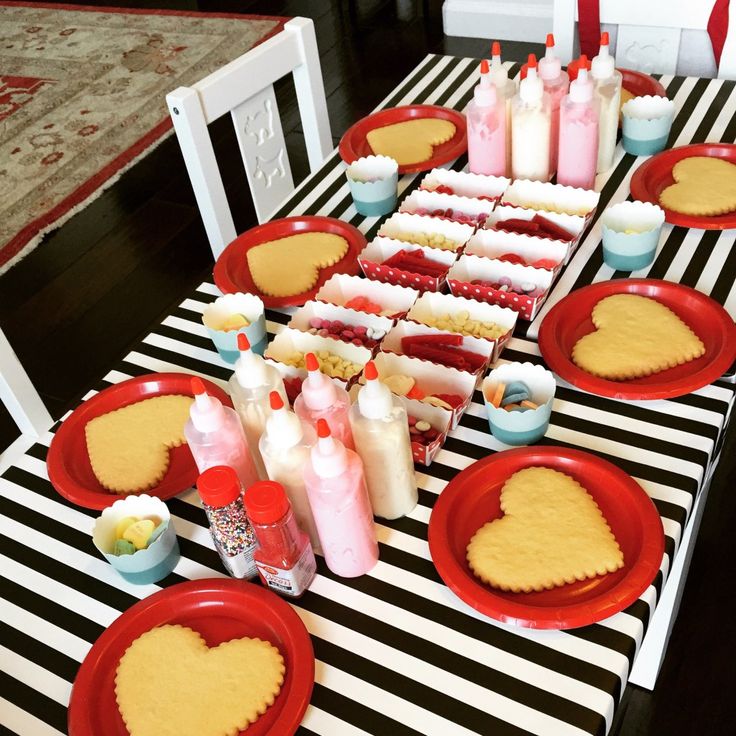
(357,335)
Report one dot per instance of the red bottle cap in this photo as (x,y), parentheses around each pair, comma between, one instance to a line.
(266,502)
(312,362)
(219,486)
(275,400)
(197,385)
(370,371)
(531,62)
(550,40)
(583,62)
(323,429)
(243,343)
(604,38)
(484,69)
(496,49)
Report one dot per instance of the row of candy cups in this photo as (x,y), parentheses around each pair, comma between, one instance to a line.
(226,342)
(380,249)
(405,222)
(420,200)
(430,306)
(466,184)
(552,197)
(471,268)
(495,243)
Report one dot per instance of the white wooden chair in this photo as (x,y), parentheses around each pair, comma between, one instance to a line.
(244,88)
(658,36)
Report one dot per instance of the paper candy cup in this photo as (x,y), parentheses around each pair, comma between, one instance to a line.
(145,566)
(373,182)
(647,123)
(554,197)
(632,251)
(521,427)
(251,307)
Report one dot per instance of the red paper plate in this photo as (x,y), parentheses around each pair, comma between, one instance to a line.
(68,463)
(354,145)
(233,275)
(640,84)
(472,498)
(220,610)
(570,319)
(655,174)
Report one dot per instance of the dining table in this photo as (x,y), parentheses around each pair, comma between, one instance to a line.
(396,651)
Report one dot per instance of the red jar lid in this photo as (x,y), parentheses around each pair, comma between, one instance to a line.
(219,486)
(265,502)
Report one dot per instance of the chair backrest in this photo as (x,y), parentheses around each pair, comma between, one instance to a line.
(657,36)
(244,88)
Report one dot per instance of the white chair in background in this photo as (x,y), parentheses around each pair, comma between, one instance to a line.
(244,88)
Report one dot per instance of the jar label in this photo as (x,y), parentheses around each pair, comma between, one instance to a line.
(241,565)
(292,582)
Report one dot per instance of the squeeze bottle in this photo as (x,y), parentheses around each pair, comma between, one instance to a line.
(249,386)
(285,449)
(506,89)
(607,82)
(215,436)
(339,501)
(555,83)
(381,432)
(530,123)
(322,398)
(578,151)
(486,116)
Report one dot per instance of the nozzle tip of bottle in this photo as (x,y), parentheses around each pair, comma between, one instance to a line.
(370,371)
(243,343)
(484,68)
(550,40)
(311,362)
(531,62)
(604,38)
(275,400)
(197,386)
(496,49)
(583,62)
(323,429)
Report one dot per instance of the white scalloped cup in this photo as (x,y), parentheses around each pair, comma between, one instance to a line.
(374,184)
(631,234)
(226,342)
(647,123)
(521,427)
(144,566)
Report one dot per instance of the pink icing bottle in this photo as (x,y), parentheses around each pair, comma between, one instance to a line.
(487,127)
(322,398)
(555,83)
(339,500)
(578,152)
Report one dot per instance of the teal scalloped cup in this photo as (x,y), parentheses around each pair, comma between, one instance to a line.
(520,427)
(144,566)
(631,233)
(226,341)
(374,184)
(646,125)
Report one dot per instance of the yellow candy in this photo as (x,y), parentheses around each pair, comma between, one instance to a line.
(139,533)
(234,322)
(123,524)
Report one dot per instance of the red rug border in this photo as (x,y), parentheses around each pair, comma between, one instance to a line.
(86,189)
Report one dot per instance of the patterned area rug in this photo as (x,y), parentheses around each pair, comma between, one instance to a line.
(82,97)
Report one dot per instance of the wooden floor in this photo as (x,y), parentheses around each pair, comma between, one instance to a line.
(95,286)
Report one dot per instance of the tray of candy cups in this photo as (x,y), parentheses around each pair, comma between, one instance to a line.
(518,399)
(366,295)
(465,184)
(547,197)
(428,428)
(521,288)
(228,316)
(406,264)
(341,361)
(464,352)
(526,250)
(433,232)
(466,317)
(340,323)
(426,382)
(465,210)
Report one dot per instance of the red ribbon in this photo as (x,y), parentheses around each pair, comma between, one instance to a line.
(589,27)
(718,28)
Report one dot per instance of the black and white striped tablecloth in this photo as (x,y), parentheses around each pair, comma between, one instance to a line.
(397,653)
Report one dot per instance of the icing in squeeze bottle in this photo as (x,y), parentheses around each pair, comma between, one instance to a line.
(607,81)
(322,398)
(381,432)
(555,83)
(486,116)
(578,152)
(249,386)
(530,123)
(215,436)
(340,504)
(506,89)
(285,449)
(284,557)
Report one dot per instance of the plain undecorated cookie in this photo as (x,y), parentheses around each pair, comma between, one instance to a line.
(704,186)
(412,141)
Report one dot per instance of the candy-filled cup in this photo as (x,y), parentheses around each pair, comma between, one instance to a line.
(647,123)
(523,426)
(145,566)
(374,182)
(229,309)
(630,234)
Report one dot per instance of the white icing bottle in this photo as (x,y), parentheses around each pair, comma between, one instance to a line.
(381,434)
(607,85)
(555,83)
(531,128)
(505,89)
(250,385)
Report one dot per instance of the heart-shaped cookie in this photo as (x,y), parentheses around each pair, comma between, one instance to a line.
(291,265)
(552,533)
(170,683)
(412,141)
(635,336)
(703,186)
(129,448)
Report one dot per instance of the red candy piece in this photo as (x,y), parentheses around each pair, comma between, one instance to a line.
(517,225)
(546,263)
(452,399)
(444,189)
(415,393)
(552,228)
(511,258)
(363,304)
(448,358)
(444,339)
(293,387)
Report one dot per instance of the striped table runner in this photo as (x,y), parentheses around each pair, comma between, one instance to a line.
(397,652)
